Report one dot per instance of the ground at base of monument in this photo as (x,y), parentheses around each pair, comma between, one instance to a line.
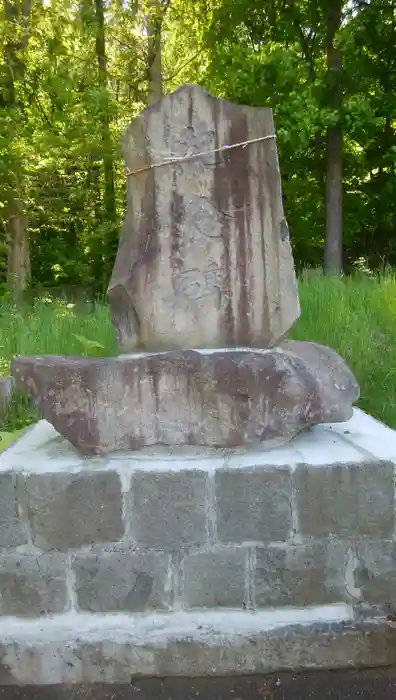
(313,685)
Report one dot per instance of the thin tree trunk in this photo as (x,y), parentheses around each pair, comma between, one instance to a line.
(154,57)
(334,153)
(108,166)
(334,187)
(18,266)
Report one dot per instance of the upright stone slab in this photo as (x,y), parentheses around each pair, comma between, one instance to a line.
(205,259)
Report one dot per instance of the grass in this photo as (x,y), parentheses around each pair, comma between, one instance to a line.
(7,438)
(355,315)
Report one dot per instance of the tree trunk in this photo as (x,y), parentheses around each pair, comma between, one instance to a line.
(19,269)
(108,167)
(333,240)
(154,52)
(334,184)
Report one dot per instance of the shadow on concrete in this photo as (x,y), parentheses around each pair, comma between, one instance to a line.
(367,684)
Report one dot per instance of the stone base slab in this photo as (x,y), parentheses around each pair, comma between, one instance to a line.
(120,649)
(221,398)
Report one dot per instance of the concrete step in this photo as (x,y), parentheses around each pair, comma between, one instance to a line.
(78,648)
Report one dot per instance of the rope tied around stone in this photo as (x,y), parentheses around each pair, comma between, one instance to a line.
(192,156)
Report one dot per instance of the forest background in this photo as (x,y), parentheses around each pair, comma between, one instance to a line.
(74,72)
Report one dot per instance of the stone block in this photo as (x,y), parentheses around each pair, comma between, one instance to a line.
(33,585)
(168,509)
(122,579)
(375,572)
(216,578)
(253,504)
(12,530)
(190,397)
(295,575)
(67,511)
(353,500)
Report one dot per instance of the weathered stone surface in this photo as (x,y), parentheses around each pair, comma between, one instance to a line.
(204,258)
(122,580)
(189,397)
(353,500)
(216,578)
(32,585)
(168,509)
(253,504)
(294,575)
(12,530)
(66,511)
(375,574)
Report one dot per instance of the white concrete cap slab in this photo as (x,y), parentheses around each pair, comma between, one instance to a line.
(43,449)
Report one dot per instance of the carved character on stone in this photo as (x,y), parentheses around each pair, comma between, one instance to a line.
(196,284)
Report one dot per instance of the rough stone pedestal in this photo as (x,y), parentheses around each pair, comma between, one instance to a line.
(196,561)
(192,397)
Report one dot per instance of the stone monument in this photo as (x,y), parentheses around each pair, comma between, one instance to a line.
(202,295)
(197,546)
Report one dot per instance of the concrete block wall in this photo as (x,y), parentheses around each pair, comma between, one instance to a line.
(308,524)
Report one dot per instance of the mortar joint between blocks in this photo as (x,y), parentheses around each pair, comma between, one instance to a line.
(176,580)
(210,508)
(295,520)
(351,565)
(251,561)
(126,493)
(23,511)
(71,584)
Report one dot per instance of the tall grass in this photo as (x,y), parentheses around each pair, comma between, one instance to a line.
(54,327)
(354,315)
(357,317)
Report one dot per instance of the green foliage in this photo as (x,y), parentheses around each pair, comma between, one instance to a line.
(7,438)
(273,53)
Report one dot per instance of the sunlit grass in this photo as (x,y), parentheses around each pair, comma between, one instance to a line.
(54,327)
(355,315)
(7,438)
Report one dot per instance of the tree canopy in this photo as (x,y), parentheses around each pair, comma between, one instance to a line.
(74,72)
